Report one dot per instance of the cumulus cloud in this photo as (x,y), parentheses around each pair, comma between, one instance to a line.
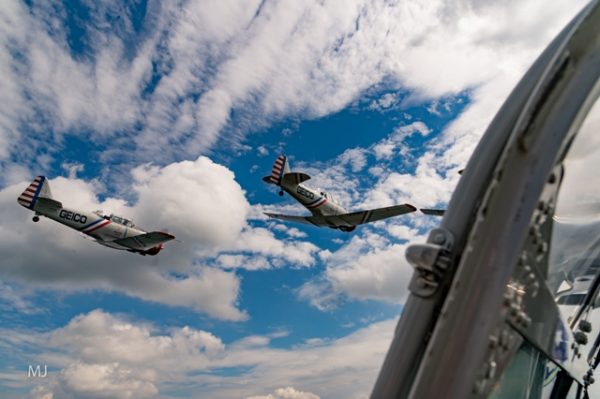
(369,266)
(287,393)
(98,381)
(199,198)
(101,355)
(387,101)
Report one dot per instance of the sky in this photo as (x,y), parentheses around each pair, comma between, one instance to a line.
(169,113)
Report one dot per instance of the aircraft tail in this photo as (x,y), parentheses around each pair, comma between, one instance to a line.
(39,188)
(280,168)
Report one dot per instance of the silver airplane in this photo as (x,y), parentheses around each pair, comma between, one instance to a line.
(111,231)
(326,211)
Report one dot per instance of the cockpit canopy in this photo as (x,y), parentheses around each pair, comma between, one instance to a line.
(327,195)
(121,220)
(116,219)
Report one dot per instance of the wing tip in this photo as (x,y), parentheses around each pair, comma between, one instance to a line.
(433,212)
(169,235)
(411,207)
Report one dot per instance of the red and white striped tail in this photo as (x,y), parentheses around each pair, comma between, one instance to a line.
(280,167)
(38,187)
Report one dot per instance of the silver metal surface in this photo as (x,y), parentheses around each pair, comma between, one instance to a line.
(447,342)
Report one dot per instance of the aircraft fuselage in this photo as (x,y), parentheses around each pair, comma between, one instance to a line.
(111,231)
(102,229)
(317,202)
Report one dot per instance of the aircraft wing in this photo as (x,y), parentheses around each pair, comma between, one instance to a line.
(299,219)
(145,241)
(348,219)
(433,212)
(373,215)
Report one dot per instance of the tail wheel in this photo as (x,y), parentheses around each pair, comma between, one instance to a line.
(36,219)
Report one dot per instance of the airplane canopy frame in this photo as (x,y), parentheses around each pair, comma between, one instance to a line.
(471,305)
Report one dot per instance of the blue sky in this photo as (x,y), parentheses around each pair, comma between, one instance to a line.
(170,113)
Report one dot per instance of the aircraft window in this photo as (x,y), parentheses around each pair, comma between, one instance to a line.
(574,299)
(574,258)
(526,368)
(532,375)
(573,231)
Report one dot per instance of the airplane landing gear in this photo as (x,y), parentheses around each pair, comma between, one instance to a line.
(36,219)
(281,193)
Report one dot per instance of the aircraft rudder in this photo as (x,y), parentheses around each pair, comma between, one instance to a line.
(280,168)
(38,188)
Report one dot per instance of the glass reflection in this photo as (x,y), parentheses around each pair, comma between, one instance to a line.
(574,259)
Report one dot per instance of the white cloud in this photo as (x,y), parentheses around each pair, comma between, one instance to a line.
(320,294)
(99,381)
(290,231)
(384,102)
(278,58)
(287,393)
(15,298)
(355,158)
(98,355)
(393,145)
(369,266)
(267,251)
(200,199)
(262,151)
(72,168)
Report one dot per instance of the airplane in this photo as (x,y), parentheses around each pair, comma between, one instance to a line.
(326,211)
(112,231)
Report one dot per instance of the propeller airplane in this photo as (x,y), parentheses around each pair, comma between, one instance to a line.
(325,210)
(112,231)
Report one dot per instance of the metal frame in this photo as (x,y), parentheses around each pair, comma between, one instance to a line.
(453,341)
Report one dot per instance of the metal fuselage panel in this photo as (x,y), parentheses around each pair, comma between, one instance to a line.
(313,200)
(103,230)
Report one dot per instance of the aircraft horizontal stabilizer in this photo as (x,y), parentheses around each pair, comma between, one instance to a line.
(146,241)
(47,205)
(295,178)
